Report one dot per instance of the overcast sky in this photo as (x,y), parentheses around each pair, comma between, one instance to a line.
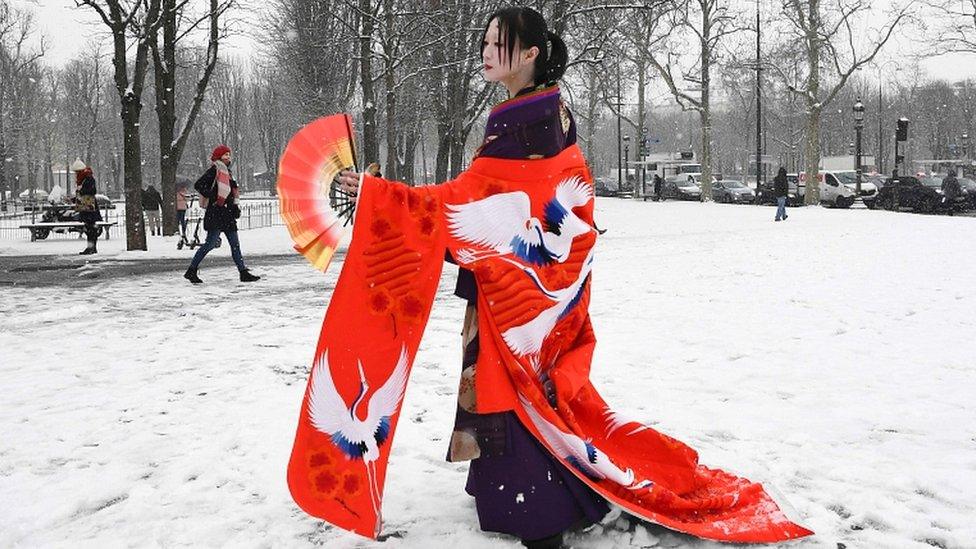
(69,30)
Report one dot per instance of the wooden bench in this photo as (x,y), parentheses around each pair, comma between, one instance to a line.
(36,229)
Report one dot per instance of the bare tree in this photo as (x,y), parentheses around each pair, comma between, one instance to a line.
(825,31)
(266,106)
(707,22)
(954,25)
(19,64)
(132,22)
(178,22)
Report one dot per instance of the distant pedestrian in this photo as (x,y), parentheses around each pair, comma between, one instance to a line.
(86,205)
(219,195)
(181,205)
(781,189)
(152,201)
(657,186)
(950,190)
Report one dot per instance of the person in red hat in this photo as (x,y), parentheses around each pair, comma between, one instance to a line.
(219,195)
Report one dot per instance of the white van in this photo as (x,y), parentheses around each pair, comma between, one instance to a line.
(833,189)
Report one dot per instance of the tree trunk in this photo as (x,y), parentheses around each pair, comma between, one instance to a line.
(391,170)
(814,109)
(135,229)
(705,112)
(371,148)
(443,152)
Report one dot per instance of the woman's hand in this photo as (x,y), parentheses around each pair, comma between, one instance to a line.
(349,182)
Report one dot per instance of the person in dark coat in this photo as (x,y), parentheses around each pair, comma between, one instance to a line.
(657,187)
(152,201)
(219,195)
(86,205)
(781,190)
(950,190)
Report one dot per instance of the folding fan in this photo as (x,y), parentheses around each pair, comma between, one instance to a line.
(313,207)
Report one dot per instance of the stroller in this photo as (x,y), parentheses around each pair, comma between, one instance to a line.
(197,219)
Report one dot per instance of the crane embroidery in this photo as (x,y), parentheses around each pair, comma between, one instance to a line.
(502,224)
(358,439)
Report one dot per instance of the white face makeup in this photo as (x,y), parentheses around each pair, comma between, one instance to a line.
(494,55)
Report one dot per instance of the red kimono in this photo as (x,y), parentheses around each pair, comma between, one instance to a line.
(524,227)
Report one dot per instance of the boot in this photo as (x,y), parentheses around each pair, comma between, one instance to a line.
(246,276)
(191,275)
(552,542)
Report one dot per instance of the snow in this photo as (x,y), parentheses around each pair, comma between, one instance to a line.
(829,356)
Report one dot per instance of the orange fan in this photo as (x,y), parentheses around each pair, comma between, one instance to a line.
(313,207)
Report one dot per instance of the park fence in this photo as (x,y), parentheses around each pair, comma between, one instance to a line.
(255,213)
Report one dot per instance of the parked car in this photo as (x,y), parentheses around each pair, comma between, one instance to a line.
(601,187)
(962,202)
(680,187)
(833,191)
(869,191)
(912,193)
(969,187)
(730,191)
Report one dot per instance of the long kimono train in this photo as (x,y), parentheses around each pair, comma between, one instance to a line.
(524,227)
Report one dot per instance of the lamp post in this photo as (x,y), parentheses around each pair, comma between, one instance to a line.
(626,159)
(859,127)
(620,178)
(965,152)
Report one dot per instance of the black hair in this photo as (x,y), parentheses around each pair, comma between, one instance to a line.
(526,28)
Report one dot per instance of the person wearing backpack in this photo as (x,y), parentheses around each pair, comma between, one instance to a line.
(219,195)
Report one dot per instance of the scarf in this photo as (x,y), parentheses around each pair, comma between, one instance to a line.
(222,182)
(525,228)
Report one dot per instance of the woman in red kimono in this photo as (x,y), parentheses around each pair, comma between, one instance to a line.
(521,434)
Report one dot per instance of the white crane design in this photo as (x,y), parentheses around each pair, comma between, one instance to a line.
(504,224)
(357,438)
(527,338)
(579,453)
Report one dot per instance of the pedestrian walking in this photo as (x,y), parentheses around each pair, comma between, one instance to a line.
(781,190)
(219,195)
(657,187)
(86,205)
(181,206)
(950,190)
(152,201)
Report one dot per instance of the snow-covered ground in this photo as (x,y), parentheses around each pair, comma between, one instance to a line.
(830,355)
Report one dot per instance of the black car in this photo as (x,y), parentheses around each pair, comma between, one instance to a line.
(729,191)
(601,187)
(911,193)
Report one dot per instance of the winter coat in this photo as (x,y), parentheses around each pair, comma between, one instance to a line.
(151,200)
(180,201)
(781,186)
(217,218)
(86,206)
(951,188)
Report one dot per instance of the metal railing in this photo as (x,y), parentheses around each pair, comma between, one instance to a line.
(255,213)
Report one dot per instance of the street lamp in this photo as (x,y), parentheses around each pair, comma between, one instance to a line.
(859,126)
(626,159)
